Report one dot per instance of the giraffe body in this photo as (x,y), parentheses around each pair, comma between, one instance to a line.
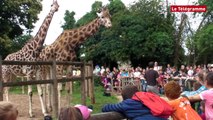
(29,52)
(63,48)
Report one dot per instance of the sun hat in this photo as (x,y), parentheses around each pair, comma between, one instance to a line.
(85,111)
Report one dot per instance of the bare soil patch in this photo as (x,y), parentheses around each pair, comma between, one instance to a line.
(22,103)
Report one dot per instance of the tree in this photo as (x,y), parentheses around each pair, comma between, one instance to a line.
(202,35)
(69,20)
(19,42)
(139,34)
(207,17)
(14,15)
(152,32)
(204,44)
(179,38)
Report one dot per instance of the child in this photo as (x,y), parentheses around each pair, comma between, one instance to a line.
(206,96)
(200,78)
(78,112)
(8,111)
(181,105)
(202,108)
(132,109)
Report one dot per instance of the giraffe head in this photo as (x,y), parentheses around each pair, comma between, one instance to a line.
(104,17)
(54,6)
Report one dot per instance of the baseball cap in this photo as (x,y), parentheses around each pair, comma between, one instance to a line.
(85,111)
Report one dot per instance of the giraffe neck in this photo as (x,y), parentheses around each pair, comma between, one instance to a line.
(42,32)
(81,34)
(63,47)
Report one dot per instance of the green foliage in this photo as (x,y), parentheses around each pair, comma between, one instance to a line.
(100,100)
(69,20)
(139,32)
(204,42)
(97,80)
(88,17)
(202,37)
(209,5)
(16,14)
(20,41)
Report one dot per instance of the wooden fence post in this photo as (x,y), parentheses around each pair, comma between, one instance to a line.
(54,90)
(1,81)
(87,81)
(91,83)
(83,95)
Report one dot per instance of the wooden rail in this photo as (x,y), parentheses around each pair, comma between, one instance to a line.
(54,81)
(107,116)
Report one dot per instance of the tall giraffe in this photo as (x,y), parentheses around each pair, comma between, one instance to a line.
(29,52)
(63,48)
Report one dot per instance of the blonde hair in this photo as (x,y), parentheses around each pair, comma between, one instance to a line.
(8,111)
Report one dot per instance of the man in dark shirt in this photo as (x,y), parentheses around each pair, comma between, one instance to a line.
(151,77)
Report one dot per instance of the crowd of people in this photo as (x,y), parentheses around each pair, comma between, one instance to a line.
(144,104)
(192,103)
(153,77)
(182,108)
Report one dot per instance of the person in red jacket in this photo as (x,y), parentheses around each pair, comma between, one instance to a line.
(130,108)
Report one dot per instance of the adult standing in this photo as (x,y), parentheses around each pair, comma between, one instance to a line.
(151,77)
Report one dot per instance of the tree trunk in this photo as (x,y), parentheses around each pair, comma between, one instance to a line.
(179,37)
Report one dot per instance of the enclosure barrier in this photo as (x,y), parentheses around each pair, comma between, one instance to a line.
(86,76)
(125,81)
(107,116)
(186,83)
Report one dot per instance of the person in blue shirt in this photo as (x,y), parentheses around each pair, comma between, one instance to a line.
(200,78)
(131,109)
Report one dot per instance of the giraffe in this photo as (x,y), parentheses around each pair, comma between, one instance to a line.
(63,48)
(29,52)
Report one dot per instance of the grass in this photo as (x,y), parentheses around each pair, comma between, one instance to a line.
(100,100)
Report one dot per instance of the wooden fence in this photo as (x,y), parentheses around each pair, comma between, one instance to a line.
(125,81)
(107,116)
(85,77)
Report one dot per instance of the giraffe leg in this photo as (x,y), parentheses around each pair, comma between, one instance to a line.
(59,94)
(6,91)
(7,77)
(43,87)
(67,87)
(23,91)
(68,84)
(43,106)
(49,93)
(30,94)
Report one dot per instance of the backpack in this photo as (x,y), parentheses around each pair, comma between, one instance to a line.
(158,106)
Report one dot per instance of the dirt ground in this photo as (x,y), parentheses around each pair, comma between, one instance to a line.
(22,103)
